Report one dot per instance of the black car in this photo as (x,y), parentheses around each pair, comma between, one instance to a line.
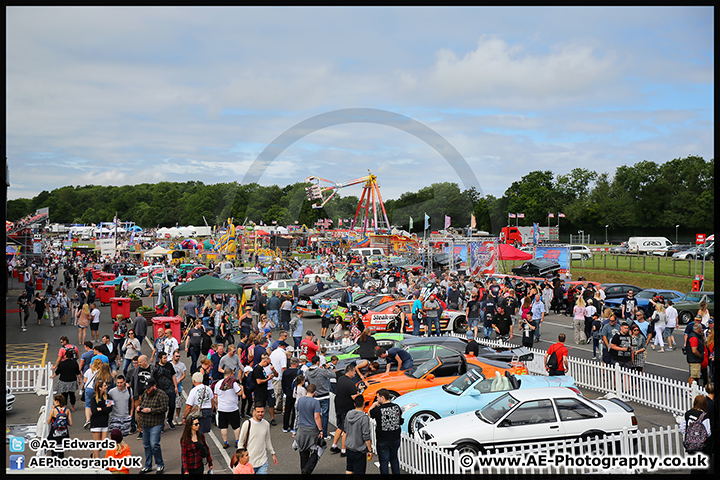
(537,268)
(307,290)
(618,290)
(125,268)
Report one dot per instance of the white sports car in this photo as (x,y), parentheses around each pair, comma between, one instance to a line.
(530,415)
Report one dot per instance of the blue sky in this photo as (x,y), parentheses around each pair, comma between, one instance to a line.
(116,96)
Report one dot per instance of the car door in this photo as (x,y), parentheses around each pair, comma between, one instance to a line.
(577,417)
(531,420)
(616,291)
(479,395)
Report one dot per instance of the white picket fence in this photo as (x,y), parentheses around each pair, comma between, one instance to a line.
(28,378)
(643,388)
(43,429)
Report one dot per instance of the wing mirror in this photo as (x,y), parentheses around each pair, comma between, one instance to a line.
(430,377)
(505,423)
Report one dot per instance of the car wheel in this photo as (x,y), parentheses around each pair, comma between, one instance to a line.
(393,395)
(390,327)
(139,292)
(596,446)
(420,419)
(586,257)
(460,324)
(685,317)
(467,452)
(709,258)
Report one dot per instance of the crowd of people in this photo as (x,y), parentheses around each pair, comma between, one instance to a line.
(244,382)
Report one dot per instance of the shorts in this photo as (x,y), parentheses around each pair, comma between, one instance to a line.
(668,332)
(89,392)
(325,322)
(229,418)
(473,322)
(82,327)
(356,462)
(99,429)
(695,370)
(271,399)
(95,326)
(340,420)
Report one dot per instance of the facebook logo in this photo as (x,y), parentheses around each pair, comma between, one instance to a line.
(17,462)
(17,444)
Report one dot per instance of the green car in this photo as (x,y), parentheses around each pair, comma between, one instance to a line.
(384,339)
(688,305)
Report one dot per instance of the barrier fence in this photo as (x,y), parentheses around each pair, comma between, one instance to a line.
(28,378)
(658,392)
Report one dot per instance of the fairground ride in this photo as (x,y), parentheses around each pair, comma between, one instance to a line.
(371,217)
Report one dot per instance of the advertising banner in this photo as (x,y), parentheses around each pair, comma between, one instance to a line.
(483,256)
(559,255)
(459,251)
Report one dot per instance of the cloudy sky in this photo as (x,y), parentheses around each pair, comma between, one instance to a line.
(116,96)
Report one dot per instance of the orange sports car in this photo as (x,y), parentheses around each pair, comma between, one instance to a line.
(434,372)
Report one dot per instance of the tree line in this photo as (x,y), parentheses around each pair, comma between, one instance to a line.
(646,198)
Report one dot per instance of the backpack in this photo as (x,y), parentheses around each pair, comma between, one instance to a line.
(250,382)
(244,356)
(696,436)
(69,348)
(552,361)
(60,424)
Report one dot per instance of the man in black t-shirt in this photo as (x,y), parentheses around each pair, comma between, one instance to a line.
(621,348)
(472,346)
(472,313)
(345,393)
(193,345)
(487,308)
(388,418)
(502,323)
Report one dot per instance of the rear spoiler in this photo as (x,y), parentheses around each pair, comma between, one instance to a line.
(522,353)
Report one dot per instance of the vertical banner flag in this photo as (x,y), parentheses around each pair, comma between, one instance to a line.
(536,233)
(427,221)
(410,227)
(473,224)
(447,221)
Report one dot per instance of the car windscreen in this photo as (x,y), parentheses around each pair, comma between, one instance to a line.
(691,297)
(463,382)
(419,371)
(645,294)
(497,408)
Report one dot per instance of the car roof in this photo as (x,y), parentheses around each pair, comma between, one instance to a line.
(543,392)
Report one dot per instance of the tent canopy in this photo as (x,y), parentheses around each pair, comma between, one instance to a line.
(205,285)
(508,252)
(156,252)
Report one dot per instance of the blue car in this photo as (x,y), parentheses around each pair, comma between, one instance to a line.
(643,300)
(118,280)
(469,392)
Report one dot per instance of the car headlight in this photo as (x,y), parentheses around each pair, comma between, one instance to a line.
(407,407)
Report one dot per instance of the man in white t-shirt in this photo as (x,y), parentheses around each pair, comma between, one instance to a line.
(227,392)
(671,319)
(95,323)
(278,359)
(180,373)
(170,344)
(203,396)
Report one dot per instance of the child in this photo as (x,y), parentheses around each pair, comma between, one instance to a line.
(596,335)
(346,340)
(119,331)
(240,462)
(121,450)
(211,352)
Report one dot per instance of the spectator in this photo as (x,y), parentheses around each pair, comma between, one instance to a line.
(273,308)
(60,421)
(131,349)
(227,392)
(579,314)
(309,429)
(367,346)
(69,375)
(659,318)
(698,413)
(357,438)
(278,359)
(637,343)
(89,388)
(608,331)
(122,402)
(216,357)
(141,380)
(202,397)
(671,316)
(151,412)
(621,347)
(472,346)
(417,314)
(560,351)
(120,451)
(94,323)
(180,372)
(140,327)
(83,322)
(502,323)
(108,349)
(287,382)
(629,306)
(100,406)
(321,376)
(159,345)
(228,361)
(296,326)
(255,437)
(240,462)
(388,418)
(396,357)
(432,308)
(164,375)
(344,398)
(308,347)
(695,351)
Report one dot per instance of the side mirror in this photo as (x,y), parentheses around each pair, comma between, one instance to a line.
(505,423)
(430,377)
(474,392)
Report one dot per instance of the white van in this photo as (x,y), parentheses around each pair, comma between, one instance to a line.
(647,245)
(366,252)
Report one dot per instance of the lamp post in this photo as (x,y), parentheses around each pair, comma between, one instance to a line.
(606,240)
(676,234)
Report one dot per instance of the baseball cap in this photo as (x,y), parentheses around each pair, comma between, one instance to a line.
(470,335)
(282,343)
(303,357)
(247,369)
(309,333)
